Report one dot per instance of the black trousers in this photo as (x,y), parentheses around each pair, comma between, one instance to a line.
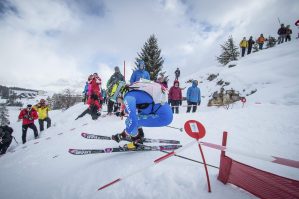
(4,147)
(249,50)
(191,104)
(243,51)
(41,123)
(24,131)
(175,106)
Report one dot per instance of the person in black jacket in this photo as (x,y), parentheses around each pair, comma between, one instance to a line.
(177,74)
(5,138)
(282,31)
(250,44)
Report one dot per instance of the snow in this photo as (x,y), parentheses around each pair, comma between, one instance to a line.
(267,124)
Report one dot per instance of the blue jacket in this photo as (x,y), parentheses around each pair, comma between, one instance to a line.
(85,91)
(154,115)
(137,74)
(193,93)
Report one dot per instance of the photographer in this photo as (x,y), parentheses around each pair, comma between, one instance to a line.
(28,115)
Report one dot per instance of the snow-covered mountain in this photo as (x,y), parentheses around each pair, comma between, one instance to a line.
(267,124)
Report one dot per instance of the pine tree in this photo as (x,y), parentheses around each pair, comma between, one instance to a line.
(4,115)
(230,52)
(151,55)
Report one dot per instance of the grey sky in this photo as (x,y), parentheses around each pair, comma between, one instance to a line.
(52,45)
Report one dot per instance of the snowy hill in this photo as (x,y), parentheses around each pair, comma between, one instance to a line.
(267,124)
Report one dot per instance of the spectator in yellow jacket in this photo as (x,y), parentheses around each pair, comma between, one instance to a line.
(42,109)
(243,45)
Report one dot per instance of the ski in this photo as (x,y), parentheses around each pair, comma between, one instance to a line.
(145,140)
(124,149)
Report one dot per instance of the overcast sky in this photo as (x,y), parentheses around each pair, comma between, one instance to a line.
(56,44)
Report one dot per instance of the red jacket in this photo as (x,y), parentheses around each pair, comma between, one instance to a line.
(95,86)
(28,117)
(175,93)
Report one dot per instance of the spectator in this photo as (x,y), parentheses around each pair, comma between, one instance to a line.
(162,80)
(86,88)
(243,46)
(281,34)
(250,44)
(297,24)
(94,92)
(5,138)
(288,33)
(193,96)
(175,96)
(139,73)
(113,80)
(42,109)
(28,115)
(177,73)
(261,41)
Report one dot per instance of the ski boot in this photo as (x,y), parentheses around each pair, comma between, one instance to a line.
(121,136)
(136,141)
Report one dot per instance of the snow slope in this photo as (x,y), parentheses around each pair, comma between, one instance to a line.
(46,170)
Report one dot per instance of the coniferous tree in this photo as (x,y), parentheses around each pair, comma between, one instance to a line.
(229,52)
(151,55)
(4,115)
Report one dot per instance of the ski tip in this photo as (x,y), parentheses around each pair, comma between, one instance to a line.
(71,151)
(83,134)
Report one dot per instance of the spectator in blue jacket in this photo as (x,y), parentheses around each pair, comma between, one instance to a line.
(85,91)
(139,73)
(193,96)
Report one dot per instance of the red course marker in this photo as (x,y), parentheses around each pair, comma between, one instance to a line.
(195,129)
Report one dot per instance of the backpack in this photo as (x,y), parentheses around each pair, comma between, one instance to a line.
(157,91)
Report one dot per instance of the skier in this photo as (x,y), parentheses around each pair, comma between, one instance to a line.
(140,73)
(145,102)
(281,34)
(250,44)
(243,46)
(5,138)
(175,96)
(177,74)
(42,109)
(28,115)
(193,96)
(115,78)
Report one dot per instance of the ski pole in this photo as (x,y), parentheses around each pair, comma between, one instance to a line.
(180,129)
(192,160)
(15,139)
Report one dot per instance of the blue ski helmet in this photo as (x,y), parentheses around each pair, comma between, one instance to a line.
(141,64)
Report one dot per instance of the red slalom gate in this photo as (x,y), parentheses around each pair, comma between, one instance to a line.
(197,131)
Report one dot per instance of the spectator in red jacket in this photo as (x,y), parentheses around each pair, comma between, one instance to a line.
(28,115)
(94,93)
(175,96)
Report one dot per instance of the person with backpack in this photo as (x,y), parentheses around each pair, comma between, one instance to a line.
(175,96)
(28,115)
(193,97)
(139,73)
(113,80)
(250,44)
(145,102)
(261,40)
(5,138)
(243,46)
(42,109)
(177,73)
